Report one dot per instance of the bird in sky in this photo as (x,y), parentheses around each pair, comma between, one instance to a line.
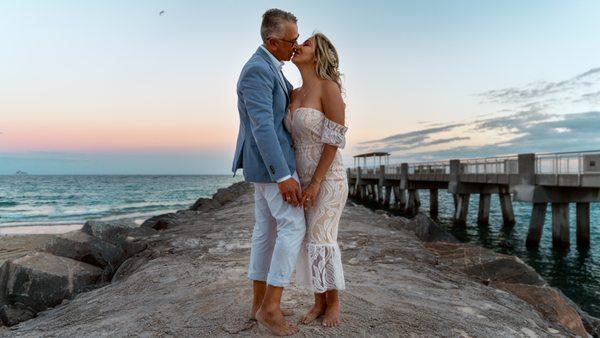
(161,12)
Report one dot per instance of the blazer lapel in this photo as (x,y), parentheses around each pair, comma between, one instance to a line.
(276,72)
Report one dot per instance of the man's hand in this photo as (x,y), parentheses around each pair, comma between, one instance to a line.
(290,191)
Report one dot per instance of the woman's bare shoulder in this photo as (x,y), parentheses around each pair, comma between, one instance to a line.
(330,91)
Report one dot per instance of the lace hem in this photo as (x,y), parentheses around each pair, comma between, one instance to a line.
(319,268)
(333,133)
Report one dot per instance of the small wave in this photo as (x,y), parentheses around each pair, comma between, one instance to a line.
(22,223)
(8,203)
(147,205)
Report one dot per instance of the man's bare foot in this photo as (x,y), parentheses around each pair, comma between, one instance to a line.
(275,322)
(286,312)
(315,312)
(332,315)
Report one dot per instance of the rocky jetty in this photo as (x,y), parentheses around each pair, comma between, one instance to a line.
(184,274)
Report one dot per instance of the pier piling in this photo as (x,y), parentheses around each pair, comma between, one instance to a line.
(433,203)
(583,225)
(536,224)
(483,214)
(462,210)
(508,215)
(411,208)
(399,198)
(388,196)
(560,226)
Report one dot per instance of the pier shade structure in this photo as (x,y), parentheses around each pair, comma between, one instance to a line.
(555,179)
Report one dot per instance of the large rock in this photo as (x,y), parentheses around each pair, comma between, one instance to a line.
(161,222)
(128,267)
(222,196)
(140,232)
(86,248)
(427,230)
(511,274)
(229,194)
(549,303)
(111,232)
(204,203)
(40,280)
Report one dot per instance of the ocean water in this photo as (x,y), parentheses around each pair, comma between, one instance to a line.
(62,199)
(576,273)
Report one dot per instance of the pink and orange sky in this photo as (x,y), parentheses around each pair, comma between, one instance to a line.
(111,87)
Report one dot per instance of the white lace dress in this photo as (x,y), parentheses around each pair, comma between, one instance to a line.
(319,265)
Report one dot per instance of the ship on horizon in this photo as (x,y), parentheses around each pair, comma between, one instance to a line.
(21,172)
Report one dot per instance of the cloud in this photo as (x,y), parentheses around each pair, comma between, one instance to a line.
(541,116)
(592,97)
(416,135)
(533,133)
(572,88)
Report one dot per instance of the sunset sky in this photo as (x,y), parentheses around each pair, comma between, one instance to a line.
(111,87)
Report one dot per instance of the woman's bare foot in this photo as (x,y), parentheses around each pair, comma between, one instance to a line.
(275,322)
(332,312)
(317,310)
(332,315)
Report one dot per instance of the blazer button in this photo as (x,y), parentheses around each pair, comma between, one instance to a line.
(272,169)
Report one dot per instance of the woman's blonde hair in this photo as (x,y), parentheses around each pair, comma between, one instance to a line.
(327,60)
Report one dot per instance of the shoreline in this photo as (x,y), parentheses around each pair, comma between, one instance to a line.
(62,228)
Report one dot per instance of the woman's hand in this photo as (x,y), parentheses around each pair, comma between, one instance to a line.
(309,195)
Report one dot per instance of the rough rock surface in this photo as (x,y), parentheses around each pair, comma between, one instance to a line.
(11,314)
(513,275)
(39,280)
(191,281)
(426,229)
(85,248)
(161,222)
(111,232)
(549,303)
(222,197)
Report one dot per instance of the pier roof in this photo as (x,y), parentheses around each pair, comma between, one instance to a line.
(373,154)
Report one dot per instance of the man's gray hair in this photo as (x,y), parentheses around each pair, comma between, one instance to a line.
(272,23)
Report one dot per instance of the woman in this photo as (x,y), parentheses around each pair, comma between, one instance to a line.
(316,122)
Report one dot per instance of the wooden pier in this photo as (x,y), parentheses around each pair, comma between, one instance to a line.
(557,179)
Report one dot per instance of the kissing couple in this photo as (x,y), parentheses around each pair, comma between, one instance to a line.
(288,145)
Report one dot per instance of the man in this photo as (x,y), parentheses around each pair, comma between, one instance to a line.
(264,151)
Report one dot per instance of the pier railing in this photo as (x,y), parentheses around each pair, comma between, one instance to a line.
(491,165)
(568,162)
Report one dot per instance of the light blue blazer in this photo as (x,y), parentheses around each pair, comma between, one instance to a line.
(264,146)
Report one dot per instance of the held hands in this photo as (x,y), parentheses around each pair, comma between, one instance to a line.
(309,195)
(290,191)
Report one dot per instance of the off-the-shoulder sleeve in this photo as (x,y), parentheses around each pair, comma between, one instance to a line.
(334,133)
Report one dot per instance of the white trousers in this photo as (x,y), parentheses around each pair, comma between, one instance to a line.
(277,237)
